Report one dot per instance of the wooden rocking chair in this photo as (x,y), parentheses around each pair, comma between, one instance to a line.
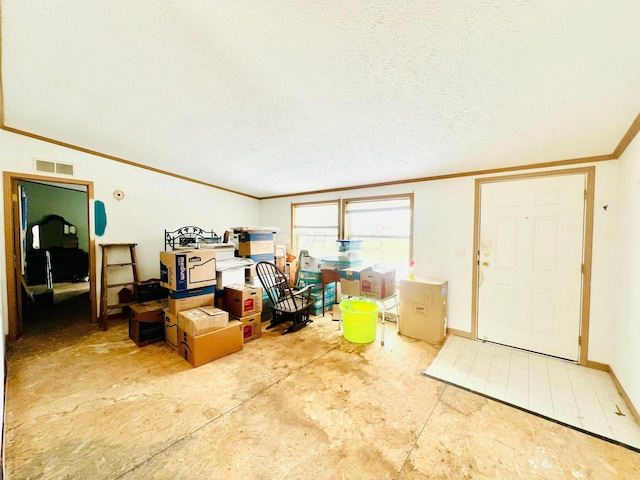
(286,304)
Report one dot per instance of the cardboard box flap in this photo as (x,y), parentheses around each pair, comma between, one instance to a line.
(211,310)
(201,320)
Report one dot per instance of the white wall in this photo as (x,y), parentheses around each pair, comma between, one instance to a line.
(444,219)
(625,308)
(152,202)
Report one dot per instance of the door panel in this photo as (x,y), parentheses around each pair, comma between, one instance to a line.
(530,263)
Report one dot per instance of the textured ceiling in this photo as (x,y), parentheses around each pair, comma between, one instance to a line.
(277,97)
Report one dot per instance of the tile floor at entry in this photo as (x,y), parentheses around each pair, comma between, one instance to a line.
(578,396)
(83,403)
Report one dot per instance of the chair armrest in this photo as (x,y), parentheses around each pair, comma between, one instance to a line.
(299,293)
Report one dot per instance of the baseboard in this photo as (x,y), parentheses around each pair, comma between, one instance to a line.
(625,397)
(606,368)
(598,366)
(460,333)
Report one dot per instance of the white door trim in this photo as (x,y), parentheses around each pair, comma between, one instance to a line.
(587,251)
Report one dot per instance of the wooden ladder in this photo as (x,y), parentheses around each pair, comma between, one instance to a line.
(112,268)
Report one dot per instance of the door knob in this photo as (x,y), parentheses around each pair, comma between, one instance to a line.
(485,264)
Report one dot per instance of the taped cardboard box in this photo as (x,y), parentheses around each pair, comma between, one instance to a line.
(241,300)
(203,297)
(378,281)
(201,320)
(251,326)
(350,281)
(187,269)
(201,349)
(255,243)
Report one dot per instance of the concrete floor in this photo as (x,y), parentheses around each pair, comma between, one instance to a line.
(86,404)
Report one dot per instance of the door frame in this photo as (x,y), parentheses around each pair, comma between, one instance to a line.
(587,249)
(11,227)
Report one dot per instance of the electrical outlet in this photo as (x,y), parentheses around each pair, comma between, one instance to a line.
(459,253)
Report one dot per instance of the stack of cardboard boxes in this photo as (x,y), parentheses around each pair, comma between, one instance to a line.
(198,330)
(244,303)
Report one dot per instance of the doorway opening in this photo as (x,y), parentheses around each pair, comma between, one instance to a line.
(50,252)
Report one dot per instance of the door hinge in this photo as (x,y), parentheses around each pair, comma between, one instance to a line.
(582,268)
(579,340)
(585,194)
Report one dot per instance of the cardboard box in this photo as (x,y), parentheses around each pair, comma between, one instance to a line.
(423,309)
(146,322)
(378,281)
(170,329)
(192,292)
(350,281)
(251,326)
(255,248)
(223,251)
(255,243)
(187,269)
(245,237)
(187,303)
(241,299)
(201,349)
(309,263)
(262,257)
(201,320)
(148,312)
(229,276)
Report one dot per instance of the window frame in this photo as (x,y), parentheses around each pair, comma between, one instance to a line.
(379,198)
(294,235)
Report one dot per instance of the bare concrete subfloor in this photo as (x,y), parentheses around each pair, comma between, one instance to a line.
(86,404)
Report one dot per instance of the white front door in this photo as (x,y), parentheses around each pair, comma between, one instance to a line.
(530,263)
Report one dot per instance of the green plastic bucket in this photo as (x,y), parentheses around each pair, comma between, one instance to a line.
(359,320)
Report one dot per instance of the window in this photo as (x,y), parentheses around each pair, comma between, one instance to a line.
(315,227)
(385,226)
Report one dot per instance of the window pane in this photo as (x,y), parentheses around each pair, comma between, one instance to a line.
(384,226)
(317,215)
(316,228)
